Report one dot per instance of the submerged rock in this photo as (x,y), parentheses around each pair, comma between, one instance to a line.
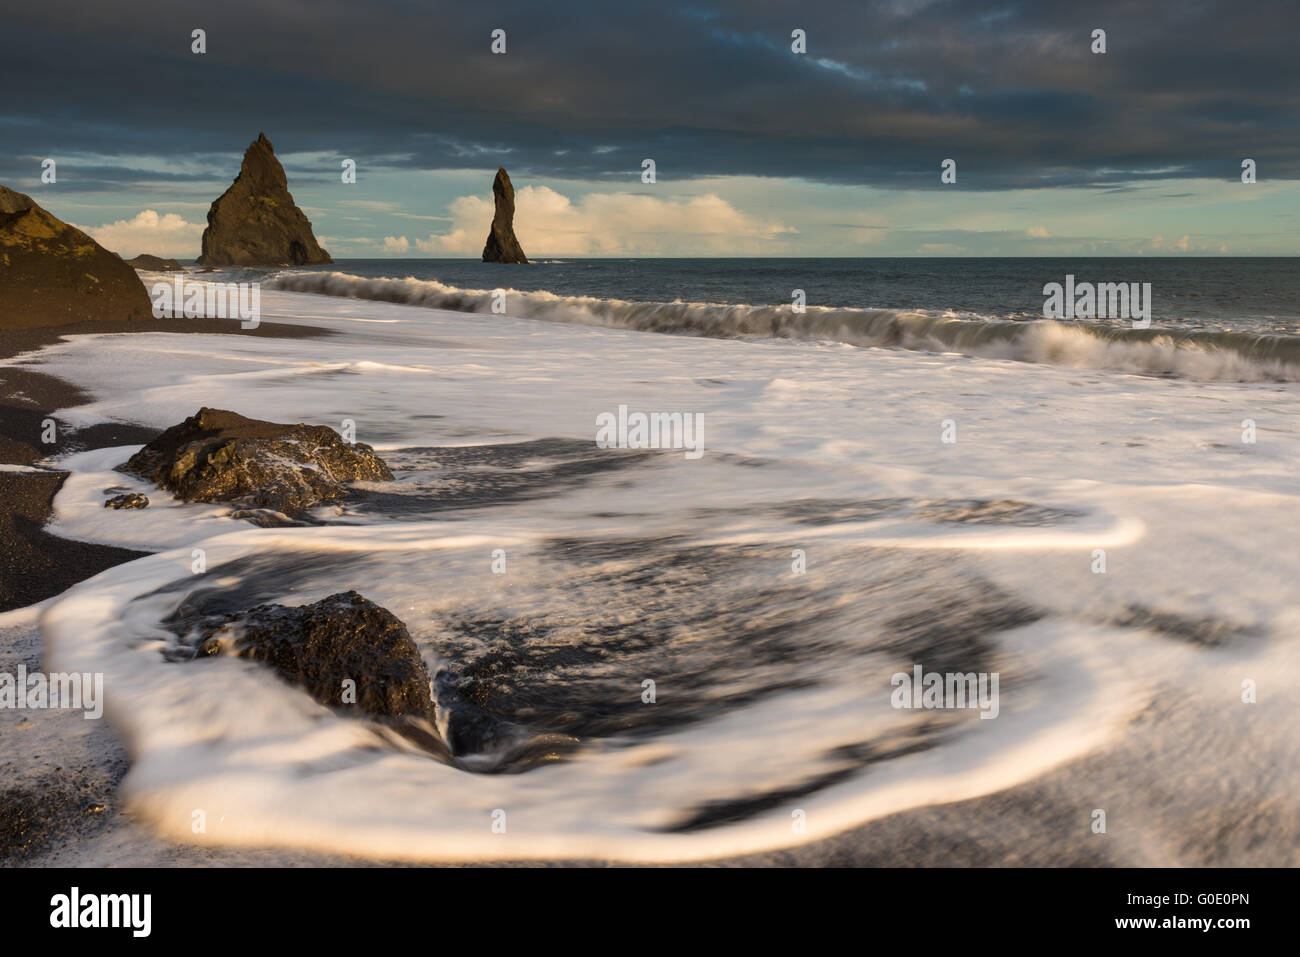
(502,246)
(266,518)
(357,658)
(52,273)
(256,222)
(344,650)
(129,500)
(154,264)
(219,456)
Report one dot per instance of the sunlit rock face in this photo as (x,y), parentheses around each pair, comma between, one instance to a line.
(52,273)
(256,222)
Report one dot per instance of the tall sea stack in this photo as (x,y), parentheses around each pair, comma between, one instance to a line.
(502,246)
(256,222)
(52,273)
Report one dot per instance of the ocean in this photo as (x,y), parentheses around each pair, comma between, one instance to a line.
(671,657)
(1208,318)
(1215,294)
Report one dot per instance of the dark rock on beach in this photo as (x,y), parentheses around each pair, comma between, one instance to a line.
(34,564)
(128,500)
(266,518)
(52,273)
(154,264)
(321,646)
(256,222)
(219,456)
(502,246)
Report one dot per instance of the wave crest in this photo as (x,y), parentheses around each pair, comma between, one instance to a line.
(1194,354)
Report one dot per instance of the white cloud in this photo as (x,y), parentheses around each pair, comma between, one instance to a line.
(169,236)
(548,223)
(1038,232)
(1184,244)
(396,244)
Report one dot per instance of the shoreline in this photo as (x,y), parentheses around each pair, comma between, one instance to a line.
(1168,803)
(46,794)
(1045,822)
(35,564)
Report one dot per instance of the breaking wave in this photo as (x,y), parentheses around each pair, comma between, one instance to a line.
(1193,354)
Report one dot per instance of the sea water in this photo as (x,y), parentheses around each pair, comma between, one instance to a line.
(690,658)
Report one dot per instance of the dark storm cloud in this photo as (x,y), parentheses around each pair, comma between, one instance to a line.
(587,90)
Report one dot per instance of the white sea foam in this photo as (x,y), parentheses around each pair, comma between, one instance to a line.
(812,446)
(1234,357)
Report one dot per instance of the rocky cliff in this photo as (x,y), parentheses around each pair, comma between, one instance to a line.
(52,273)
(256,222)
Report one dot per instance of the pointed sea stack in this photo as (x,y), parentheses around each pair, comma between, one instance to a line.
(52,273)
(256,222)
(502,246)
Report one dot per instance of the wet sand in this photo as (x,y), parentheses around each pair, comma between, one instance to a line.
(59,771)
(1197,804)
(35,565)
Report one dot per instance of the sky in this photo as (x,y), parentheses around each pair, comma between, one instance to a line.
(759,149)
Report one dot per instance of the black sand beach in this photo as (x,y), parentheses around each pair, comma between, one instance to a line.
(35,565)
(47,799)
(61,803)
(1042,823)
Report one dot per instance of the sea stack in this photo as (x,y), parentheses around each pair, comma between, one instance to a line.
(154,264)
(256,222)
(52,273)
(502,246)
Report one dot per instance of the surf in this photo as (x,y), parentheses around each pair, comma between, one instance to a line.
(1182,353)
